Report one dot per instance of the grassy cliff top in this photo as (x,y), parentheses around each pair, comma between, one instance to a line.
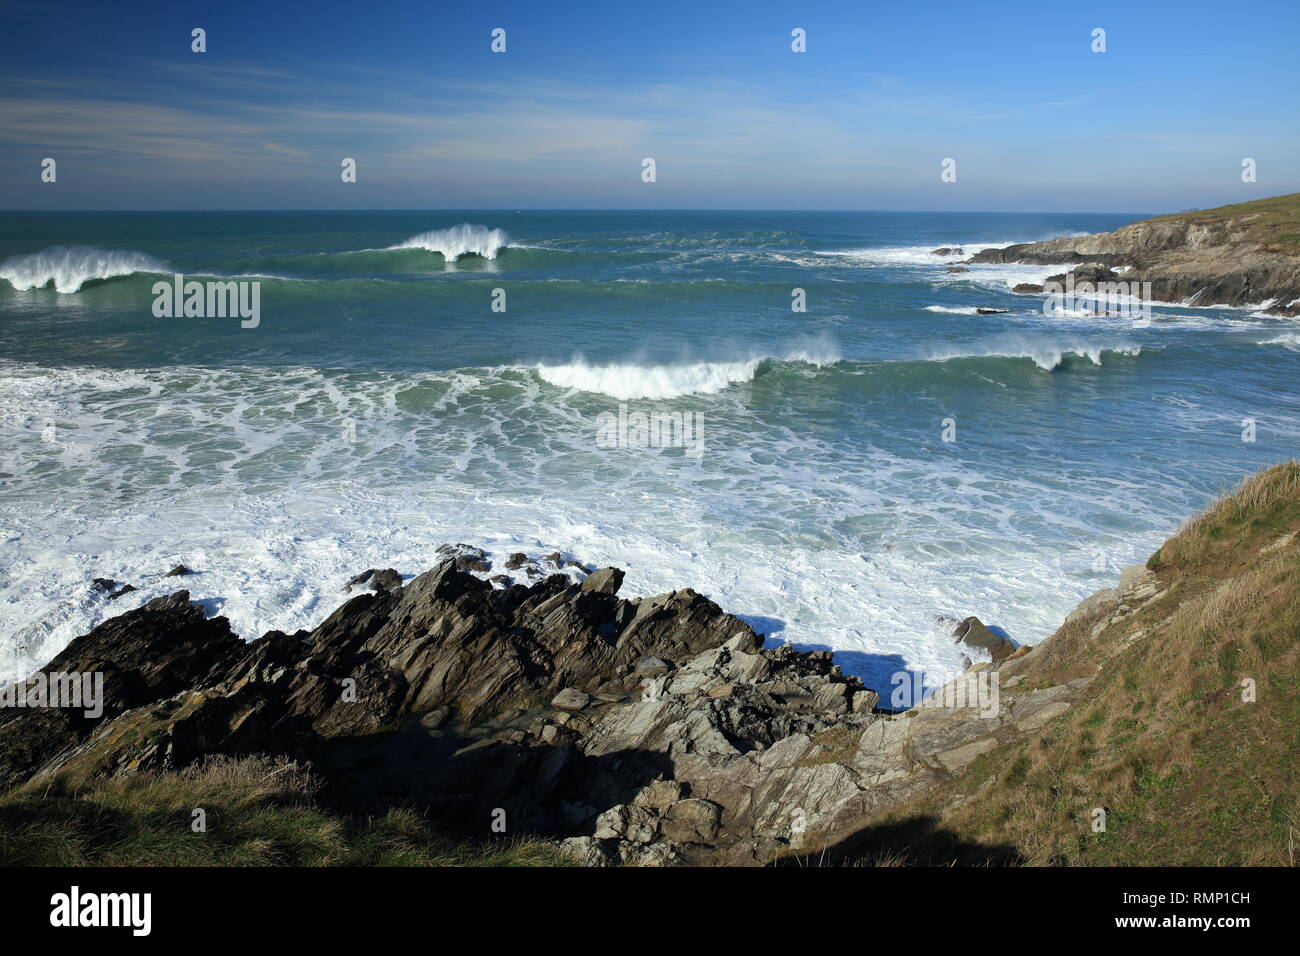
(1276,219)
(1186,738)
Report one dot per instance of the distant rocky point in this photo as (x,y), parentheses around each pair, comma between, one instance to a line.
(1244,254)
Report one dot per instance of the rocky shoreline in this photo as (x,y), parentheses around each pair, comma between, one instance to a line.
(1242,255)
(546,711)
(651,731)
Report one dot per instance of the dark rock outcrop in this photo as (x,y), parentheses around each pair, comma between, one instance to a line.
(376,580)
(973,633)
(657,730)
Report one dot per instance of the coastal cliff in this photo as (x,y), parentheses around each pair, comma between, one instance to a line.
(442,720)
(1243,254)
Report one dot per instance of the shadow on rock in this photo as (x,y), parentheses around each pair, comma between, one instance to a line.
(464,782)
(916,841)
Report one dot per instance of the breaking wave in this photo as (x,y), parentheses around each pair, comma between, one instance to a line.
(1047,356)
(462,240)
(69,268)
(1288,340)
(626,381)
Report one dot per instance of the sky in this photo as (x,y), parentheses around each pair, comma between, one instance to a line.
(584,92)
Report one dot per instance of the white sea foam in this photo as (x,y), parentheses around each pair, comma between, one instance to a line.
(457,241)
(71,267)
(626,381)
(254,482)
(953,310)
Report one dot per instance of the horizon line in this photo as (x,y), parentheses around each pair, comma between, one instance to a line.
(519,209)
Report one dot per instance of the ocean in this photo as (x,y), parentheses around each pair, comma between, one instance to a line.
(858,474)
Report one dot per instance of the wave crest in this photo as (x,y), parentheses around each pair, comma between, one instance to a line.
(1047,356)
(626,381)
(462,240)
(1288,340)
(71,267)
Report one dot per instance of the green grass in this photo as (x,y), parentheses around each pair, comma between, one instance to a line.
(1187,772)
(1276,219)
(259,812)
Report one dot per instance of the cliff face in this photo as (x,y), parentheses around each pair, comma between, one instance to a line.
(661,731)
(1245,254)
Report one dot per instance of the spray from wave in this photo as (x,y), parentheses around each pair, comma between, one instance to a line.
(462,240)
(1288,340)
(1046,355)
(627,381)
(69,268)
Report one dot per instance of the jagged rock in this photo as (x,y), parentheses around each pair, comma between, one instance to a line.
(145,655)
(865,701)
(179,571)
(652,667)
(588,851)
(1136,584)
(973,633)
(1210,257)
(660,794)
(103,584)
(1095,603)
(631,823)
(517,561)
(570,699)
(706,759)
(831,697)
(466,557)
(604,581)
(1027,288)
(435,718)
(956,269)
(1089,274)
(124,589)
(385,580)
(1042,716)
(960,757)
(691,821)
(948,251)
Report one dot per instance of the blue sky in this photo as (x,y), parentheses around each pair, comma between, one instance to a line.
(712,91)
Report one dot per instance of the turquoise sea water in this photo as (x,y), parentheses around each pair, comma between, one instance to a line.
(381,408)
